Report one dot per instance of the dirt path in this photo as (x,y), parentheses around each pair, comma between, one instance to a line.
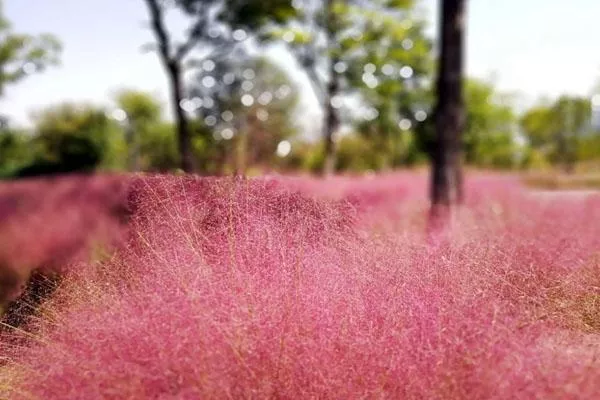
(569,194)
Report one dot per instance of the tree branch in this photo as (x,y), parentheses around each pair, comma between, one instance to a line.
(194,34)
(158,26)
(185,48)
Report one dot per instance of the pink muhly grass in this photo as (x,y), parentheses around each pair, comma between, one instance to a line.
(55,219)
(248,289)
(47,223)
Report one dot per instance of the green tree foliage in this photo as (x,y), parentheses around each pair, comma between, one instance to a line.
(216,27)
(22,55)
(358,154)
(173,55)
(150,141)
(538,127)
(389,64)
(555,130)
(588,147)
(72,137)
(490,126)
(158,147)
(337,43)
(250,15)
(141,108)
(375,48)
(249,105)
(15,151)
(489,137)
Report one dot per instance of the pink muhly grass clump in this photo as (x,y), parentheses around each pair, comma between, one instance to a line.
(394,201)
(47,223)
(243,288)
(56,219)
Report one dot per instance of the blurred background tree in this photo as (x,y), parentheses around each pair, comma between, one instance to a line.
(216,27)
(15,151)
(249,104)
(556,131)
(73,137)
(489,137)
(346,46)
(150,140)
(172,56)
(22,55)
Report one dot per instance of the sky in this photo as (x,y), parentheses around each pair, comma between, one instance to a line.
(532,48)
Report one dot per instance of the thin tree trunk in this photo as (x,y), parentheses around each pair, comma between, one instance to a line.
(172,59)
(183,127)
(241,148)
(331,125)
(446,177)
(133,146)
(567,139)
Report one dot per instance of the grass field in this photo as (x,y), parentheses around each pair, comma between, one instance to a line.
(163,287)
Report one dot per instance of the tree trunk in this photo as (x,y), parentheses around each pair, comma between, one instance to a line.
(171,61)
(331,124)
(181,121)
(567,139)
(241,148)
(446,177)
(133,146)
(331,120)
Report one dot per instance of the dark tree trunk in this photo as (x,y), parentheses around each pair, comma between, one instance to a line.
(181,121)
(331,121)
(331,125)
(172,61)
(446,176)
